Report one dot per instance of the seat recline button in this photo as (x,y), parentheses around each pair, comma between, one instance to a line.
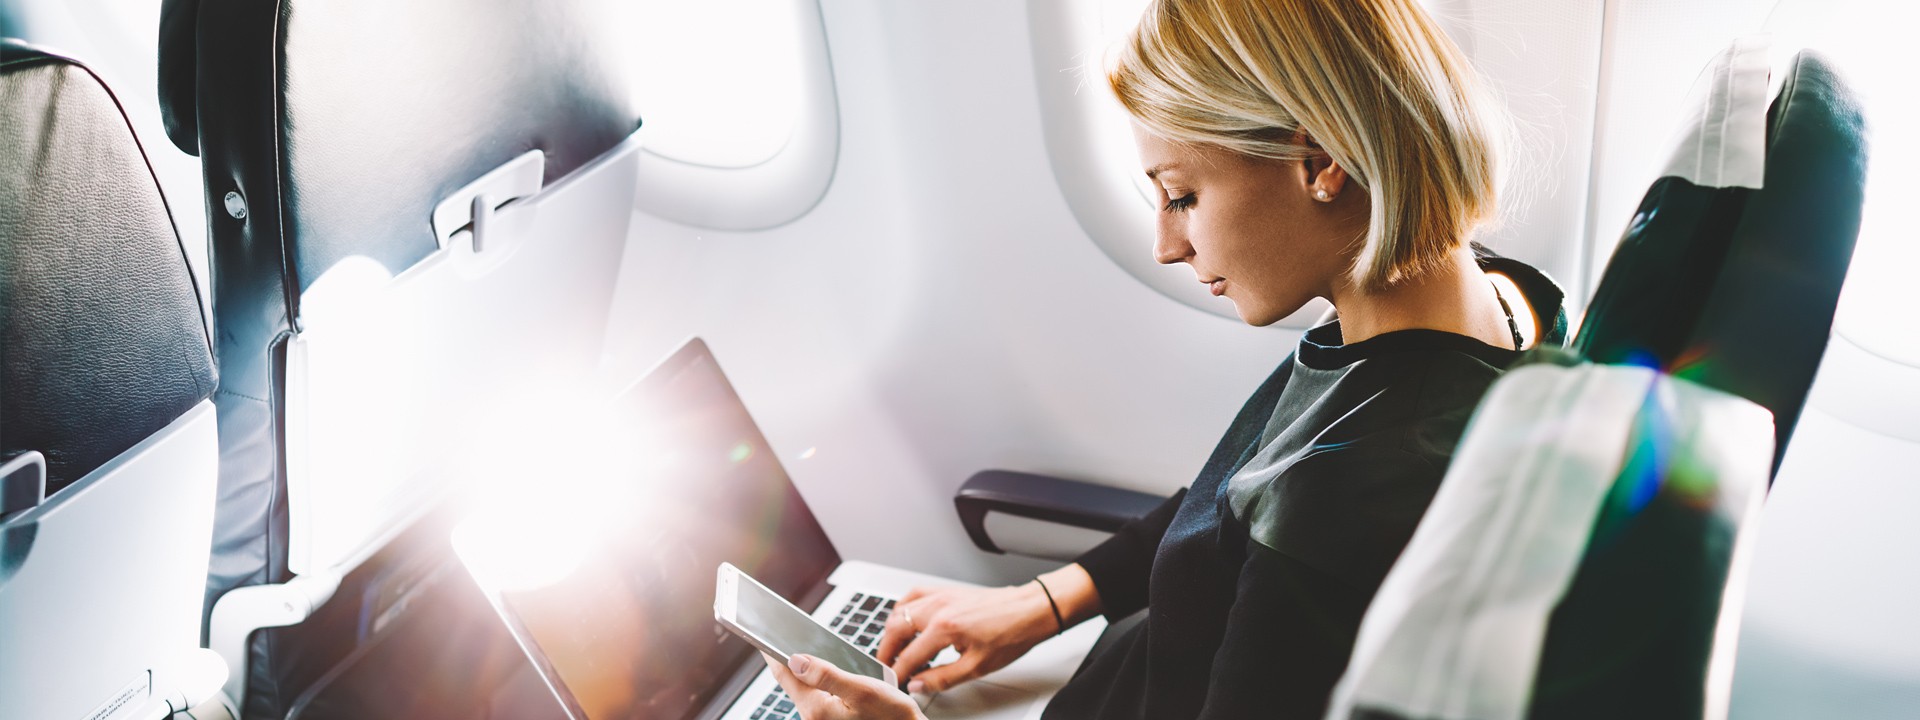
(236,205)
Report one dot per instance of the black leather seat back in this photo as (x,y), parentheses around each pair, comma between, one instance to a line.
(1732,291)
(342,124)
(1735,288)
(102,337)
(330,130)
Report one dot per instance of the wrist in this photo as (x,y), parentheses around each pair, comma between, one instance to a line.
(1073,591)
(1037,623)
(1053,606)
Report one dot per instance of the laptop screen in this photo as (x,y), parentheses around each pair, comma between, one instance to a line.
(629,632)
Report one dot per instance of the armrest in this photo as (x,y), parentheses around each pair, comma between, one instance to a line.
(1056,500)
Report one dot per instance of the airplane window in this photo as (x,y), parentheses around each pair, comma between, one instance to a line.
(741,125)
(1540,58)
(1116,17)
(1090,146)
(1871,44)
(1868,41)
(729,95)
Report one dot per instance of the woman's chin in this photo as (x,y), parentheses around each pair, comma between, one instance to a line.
(1262,316)
(1257,318)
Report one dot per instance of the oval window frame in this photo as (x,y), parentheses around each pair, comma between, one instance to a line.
(771,193)
(1098,187)
(1103,198)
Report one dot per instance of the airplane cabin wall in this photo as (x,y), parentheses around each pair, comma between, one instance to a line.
(1829,628)
(940,312)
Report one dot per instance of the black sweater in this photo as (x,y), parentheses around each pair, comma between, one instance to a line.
(1254,583)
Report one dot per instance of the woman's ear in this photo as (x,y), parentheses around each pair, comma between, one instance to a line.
(1324,178)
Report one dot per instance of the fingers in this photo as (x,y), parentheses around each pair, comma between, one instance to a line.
(909,618)
(921,650)
(946,676)
(813,702)
(898,632)
(821,691)
(823,675)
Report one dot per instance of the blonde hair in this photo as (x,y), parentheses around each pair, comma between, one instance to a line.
(1375,84)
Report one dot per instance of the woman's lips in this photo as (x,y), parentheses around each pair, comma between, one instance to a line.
(1219,287)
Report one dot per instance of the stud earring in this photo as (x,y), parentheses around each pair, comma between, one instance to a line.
(1321,195)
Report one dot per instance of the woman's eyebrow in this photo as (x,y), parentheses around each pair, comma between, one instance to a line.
(1155,171)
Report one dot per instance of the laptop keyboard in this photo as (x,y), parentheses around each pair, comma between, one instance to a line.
(860,623)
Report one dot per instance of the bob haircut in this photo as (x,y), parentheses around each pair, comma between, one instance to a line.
(1375,84)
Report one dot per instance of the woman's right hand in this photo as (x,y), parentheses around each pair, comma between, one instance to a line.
(821,691)
(989,627)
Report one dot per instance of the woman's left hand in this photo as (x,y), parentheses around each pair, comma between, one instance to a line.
(821,691)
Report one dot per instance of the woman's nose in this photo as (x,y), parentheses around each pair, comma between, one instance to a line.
(1171,247)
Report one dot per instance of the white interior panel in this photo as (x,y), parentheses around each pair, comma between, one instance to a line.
(392,379)
(101,586)
(1039,538)
(1830,627)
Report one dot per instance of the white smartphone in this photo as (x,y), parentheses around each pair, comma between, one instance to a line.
(770,623)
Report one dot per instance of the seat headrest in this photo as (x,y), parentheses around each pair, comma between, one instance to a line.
(102,337)
(178,26)
(1576,557)
(339,125)
(1735,287)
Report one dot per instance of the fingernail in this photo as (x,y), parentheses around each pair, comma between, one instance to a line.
(799,663)
(917,687)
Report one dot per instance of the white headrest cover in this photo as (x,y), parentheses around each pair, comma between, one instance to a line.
(1456,630)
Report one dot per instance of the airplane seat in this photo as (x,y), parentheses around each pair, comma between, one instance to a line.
(417,214)
(1586,555)
(108,446)
(1760,272)
(1622,585)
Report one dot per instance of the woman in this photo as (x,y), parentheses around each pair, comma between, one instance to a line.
(1301,148)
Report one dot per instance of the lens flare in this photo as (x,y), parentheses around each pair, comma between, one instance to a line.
(552,481)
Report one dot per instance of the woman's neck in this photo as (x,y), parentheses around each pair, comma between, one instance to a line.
(1455,297)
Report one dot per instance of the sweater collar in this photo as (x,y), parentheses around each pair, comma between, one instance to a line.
(1321,348)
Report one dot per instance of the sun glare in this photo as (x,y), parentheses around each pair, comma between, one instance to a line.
(548,482)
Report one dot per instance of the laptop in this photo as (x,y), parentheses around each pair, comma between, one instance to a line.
(627,631)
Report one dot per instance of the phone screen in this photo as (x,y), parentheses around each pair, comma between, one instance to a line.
(788,630)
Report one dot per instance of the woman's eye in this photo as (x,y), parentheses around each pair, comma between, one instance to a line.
(1181,203)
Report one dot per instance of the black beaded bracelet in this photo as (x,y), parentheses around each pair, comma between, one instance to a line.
(1057,620)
